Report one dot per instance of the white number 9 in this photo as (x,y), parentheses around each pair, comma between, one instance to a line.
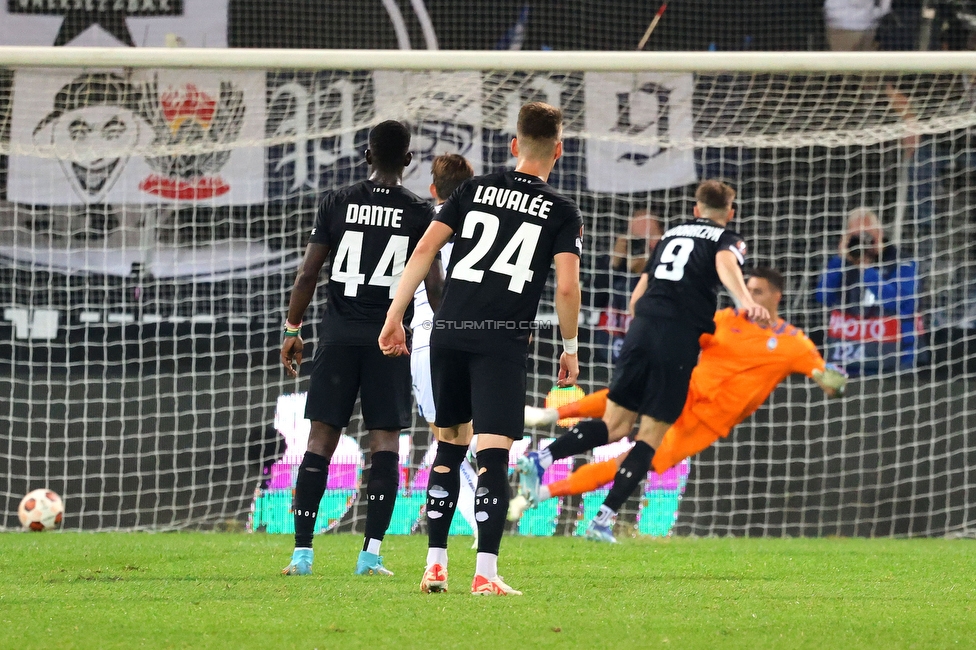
(674,257)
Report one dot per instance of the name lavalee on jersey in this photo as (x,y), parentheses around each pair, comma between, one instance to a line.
(536,206)
(373,215)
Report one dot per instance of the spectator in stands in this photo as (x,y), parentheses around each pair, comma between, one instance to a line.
(872,296)
(852,24)
(617,275)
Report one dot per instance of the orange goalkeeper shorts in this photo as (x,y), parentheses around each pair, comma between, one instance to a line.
(686,437)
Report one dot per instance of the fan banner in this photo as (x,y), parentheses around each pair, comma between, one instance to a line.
(83,138)
(450,118)
(112,23)
(299,103)
(632,119)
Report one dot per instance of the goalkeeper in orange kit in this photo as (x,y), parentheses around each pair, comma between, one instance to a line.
(740,365)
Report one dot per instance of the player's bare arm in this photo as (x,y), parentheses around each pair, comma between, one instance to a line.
(729,272)
(568,297)
(301,295)
(637,293)
(393,339)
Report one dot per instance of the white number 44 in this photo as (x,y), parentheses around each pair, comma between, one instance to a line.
(348,259)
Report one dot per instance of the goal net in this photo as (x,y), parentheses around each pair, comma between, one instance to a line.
(154,206)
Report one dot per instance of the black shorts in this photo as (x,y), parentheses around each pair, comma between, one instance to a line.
(340,372)
(653,371)
(488,390)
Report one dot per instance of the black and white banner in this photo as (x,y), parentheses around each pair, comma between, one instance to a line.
(147,137)
(110,23)
(633,121)
(446,117)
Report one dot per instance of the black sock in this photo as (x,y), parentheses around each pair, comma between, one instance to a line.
(313,474)
(491,498)
(632,471)
(442,492)
(384,479)
(584,436)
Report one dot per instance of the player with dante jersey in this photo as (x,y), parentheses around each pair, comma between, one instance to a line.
(366,231)
(741,363)
(510,227)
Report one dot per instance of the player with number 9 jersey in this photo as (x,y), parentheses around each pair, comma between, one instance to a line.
(652,373)
(683,281)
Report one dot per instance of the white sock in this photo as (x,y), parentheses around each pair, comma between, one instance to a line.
(437,556)
(545,458)
(373,546)
(487,565)
(544,493)
(604,516)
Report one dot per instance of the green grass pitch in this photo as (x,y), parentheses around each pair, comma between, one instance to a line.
(217,590)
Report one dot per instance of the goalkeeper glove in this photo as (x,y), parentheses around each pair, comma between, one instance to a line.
(832,377)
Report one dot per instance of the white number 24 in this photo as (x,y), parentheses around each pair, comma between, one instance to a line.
(345,268)
(521,247)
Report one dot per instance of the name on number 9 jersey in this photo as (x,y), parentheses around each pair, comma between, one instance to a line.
(508,227)
(371,230)
(682,282)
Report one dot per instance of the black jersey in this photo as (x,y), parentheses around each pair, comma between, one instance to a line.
(682,282)
(371,230)
(509,226)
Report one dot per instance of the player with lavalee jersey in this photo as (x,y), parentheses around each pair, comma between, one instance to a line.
(510,227)
(366,231)
(651,376)
(741,363)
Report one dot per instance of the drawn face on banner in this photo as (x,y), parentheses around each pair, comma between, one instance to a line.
(93,130)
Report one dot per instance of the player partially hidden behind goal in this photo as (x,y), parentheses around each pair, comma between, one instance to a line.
(660,350)
(741,364)
(367,231)
(451,473)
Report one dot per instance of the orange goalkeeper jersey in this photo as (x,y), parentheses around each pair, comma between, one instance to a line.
(740,365)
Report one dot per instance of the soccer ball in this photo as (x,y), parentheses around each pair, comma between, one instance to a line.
(40,510)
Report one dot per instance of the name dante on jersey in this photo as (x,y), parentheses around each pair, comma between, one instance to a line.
(374,215)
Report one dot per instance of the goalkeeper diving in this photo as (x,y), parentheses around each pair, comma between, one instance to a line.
(740,365)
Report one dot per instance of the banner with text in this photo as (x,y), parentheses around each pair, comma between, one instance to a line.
(633,120)
(112,23)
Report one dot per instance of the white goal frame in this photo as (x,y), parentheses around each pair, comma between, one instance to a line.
(263,59)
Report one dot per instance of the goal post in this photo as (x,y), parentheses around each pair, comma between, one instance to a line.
(154,205)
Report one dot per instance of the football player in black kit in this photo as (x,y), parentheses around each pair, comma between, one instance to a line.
(652,373)
(510,228)
(367,231)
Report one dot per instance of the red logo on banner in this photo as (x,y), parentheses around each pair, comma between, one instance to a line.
(189,190)
(854,328)
(186,116)
(187,103)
